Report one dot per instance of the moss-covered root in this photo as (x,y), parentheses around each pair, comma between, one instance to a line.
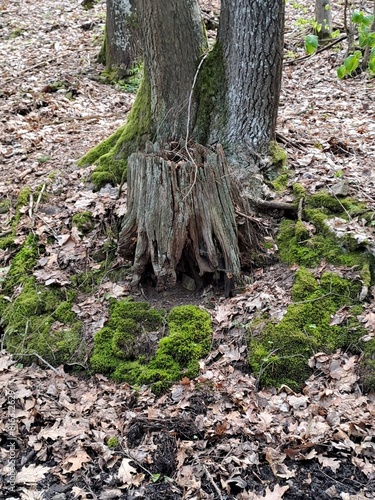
(123,348)
(112,154)
(279,353)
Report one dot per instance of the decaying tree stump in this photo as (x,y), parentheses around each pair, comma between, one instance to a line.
(180,216)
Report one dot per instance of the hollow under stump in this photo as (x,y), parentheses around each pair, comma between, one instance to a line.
(181,216)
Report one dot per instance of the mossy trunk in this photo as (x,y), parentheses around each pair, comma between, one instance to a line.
(184,201)
(121,45)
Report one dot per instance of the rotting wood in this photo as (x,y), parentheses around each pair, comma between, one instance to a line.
(181,217)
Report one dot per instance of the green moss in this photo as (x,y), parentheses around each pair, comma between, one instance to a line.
(111,155)
(122,349)
(5,206)
(22,264)
(298,191)
(83,221)
(279,156)
(279,353)
(280,183)
(309,241)
(40,320)
(210,91)
(112,442)
(323,200)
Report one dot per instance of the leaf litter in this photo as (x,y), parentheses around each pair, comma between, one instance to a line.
(217,436)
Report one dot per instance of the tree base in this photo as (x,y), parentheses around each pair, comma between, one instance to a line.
(181,216)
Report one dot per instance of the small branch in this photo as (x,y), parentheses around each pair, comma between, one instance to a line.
(300,209)
(41,359)
(274,205)
(326,47)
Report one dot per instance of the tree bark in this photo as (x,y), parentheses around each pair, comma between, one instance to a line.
(251,36)
(184,201)
(121,46)
(173,41)
(323,16)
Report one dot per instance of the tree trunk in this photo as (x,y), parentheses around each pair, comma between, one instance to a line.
(173,41)
(323,17)
(189,224)
(184,201)
(251,36)
(121,43)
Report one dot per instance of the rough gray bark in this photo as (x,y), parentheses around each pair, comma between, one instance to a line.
(121,45)
(173,40)
(251,37)
(323,16)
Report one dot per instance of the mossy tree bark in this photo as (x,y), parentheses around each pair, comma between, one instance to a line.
(121,45)
(183,198)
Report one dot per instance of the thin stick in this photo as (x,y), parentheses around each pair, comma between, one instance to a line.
(303,58)
(41,359)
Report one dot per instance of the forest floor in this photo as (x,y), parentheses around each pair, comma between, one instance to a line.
(218,436)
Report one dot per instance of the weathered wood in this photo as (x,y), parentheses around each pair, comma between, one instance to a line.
(180,215)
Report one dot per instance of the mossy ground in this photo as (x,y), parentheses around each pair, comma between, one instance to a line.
(278,353)
(308,241)
(128,347)
(111,155)
(37,319)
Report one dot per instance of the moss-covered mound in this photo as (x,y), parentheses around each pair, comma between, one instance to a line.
(279,353)
(310,240)
(37,319)
(128,347)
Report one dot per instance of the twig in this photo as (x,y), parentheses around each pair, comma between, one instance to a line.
(294,144)
(300,208)
(30,68)
(41,359)
(188,124)
(326,47)
(39,198)
(209,477)
(277,205)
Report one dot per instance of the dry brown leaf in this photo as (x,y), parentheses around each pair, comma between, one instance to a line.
(32,474)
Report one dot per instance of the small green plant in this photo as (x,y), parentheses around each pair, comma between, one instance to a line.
(366,40)
(112,442)
(44,158)
(311,44)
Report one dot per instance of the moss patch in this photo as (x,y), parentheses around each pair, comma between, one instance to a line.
(210,91)
(36,319)
(83,221)
(128,347)
(309,241)
(111,155)
(40,320)
(279,353)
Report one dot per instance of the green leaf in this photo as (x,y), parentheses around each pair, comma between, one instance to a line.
(351,63)
(311,44)
(357,17)
(155,477)
(341,72)
(367,20)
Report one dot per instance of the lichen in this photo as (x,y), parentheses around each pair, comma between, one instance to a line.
(278,354)
(129,347)
(111,155)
